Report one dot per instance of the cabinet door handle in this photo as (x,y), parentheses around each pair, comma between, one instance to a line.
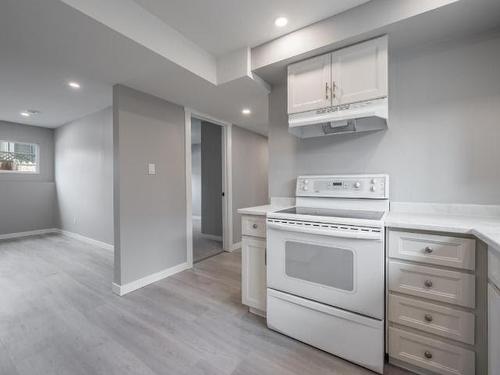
(326,90)
(428,318)
(428,250)
(333,89)
(428,354)
(265,256)
(428,283)
(255,226)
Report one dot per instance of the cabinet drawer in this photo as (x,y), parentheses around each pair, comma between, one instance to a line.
(430,354)
(253,226)
(429,317)
(433,283)
(433,249)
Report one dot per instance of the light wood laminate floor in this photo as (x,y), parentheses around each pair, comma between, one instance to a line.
(203,247)
(59,316)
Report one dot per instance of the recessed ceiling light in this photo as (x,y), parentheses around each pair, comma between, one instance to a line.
(246,111)
(30,112)
(281,21)
(74,85)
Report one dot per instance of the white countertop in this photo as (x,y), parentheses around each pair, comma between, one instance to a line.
(486,228)
(260,210)
(477,220)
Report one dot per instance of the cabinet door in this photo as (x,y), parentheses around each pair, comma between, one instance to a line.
(253,273)
(359,72)
(493,330)
(309,84)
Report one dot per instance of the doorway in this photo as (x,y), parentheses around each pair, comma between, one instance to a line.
(208,188)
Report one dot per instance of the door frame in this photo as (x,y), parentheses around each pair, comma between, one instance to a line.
(227,200)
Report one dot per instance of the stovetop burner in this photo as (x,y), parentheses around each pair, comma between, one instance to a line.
(329,212)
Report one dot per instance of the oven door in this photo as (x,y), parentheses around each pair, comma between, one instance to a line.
(343,268)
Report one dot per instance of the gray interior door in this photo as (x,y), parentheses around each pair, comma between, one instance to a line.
(211,179)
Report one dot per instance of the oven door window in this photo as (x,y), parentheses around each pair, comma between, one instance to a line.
(328,266)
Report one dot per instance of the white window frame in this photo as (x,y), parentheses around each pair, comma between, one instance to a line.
(37,159)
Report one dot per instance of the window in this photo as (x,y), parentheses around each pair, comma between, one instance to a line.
(18,157)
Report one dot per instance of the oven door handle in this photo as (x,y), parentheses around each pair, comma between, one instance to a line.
(358,234)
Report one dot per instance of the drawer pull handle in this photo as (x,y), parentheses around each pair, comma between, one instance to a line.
(254,226)
(428,283)
(428,250)
(428,318)
(428,354)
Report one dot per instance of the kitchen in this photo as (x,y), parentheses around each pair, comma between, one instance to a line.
(358,208)
(441,235)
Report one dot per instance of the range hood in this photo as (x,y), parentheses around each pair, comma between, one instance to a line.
(350,118)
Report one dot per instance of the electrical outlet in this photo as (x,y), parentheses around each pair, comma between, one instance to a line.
(151,168)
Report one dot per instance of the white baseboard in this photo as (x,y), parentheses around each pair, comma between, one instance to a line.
(235,246)
(137,284)
(88,240)
(257,312)
(28,233)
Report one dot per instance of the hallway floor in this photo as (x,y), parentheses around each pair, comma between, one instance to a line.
(58,316)
(203,246)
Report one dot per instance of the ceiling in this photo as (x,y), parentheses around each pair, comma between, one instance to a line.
(456,22)
(44,44)
(38,59)
(222,26)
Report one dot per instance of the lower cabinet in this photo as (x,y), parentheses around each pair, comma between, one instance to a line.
(493,312)
(433,307)
(253,254)
(493,330)
(253,265)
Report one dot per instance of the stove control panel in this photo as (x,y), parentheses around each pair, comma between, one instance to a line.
(344,186)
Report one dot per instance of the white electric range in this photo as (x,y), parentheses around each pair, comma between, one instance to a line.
(325,266)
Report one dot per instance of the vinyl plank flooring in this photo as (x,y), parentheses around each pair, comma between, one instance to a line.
(59,316)
(6,363)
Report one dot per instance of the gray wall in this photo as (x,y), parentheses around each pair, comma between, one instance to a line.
(443,139)
(211,179)
(149,210)
(196,179)
(27,201)
(250,170)
(84,176)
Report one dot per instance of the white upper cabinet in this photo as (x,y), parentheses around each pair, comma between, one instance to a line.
(359,72)
(309,84)
(348,75)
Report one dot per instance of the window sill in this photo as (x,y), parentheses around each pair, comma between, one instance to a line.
(18,172)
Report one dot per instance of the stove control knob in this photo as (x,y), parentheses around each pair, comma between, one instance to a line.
(357,185)
(373,188)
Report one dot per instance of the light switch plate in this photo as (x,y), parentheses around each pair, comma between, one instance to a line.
(151,168)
